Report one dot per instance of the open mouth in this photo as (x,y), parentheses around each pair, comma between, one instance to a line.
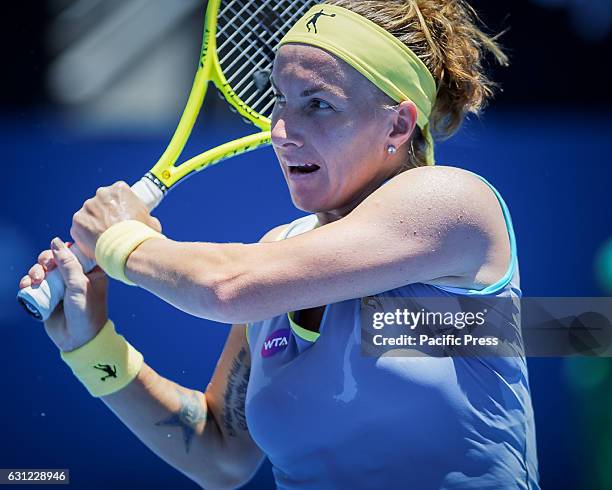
(306,168)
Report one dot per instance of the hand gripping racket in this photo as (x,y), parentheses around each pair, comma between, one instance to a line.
(239,42)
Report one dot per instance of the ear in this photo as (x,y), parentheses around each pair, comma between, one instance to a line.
(404,121)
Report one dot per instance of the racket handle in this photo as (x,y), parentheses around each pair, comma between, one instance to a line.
(41,300)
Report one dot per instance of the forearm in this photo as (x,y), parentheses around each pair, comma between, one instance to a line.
(187,275)
(230,283)
(174,422)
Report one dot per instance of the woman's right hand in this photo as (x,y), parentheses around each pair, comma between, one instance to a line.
(84,310)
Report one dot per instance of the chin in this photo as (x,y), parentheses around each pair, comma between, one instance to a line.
(310,201)
(307,204)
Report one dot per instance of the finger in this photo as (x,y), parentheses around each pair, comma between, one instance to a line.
(37,273)
(25,282)
(44,256)
(68,266)
(46,260)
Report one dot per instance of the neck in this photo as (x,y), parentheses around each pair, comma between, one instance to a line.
(326,217)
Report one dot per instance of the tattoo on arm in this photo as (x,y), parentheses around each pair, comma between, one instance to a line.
(235,395)
(190,414)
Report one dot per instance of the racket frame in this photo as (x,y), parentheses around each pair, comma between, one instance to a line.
(164,173)
(41,301)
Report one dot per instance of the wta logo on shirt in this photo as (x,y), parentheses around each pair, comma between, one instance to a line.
(276,342)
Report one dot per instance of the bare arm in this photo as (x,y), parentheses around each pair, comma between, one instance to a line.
(432,225)
(204,435)
(175,423)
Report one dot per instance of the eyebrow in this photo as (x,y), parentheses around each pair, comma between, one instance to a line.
(312,90)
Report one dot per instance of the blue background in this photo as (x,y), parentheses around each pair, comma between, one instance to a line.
(551,167)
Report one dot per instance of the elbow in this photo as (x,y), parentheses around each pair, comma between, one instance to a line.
(220,282)
(231,290)
(230,472)
(230,300)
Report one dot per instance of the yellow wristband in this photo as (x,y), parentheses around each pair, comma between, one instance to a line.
(105,364)
(117,243)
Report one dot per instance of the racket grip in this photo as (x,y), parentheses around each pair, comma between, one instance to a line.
(41,300)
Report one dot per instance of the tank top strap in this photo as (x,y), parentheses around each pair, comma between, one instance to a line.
(299,226)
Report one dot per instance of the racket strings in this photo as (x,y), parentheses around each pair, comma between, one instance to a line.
(242,21)
(236,21)
(263,100)
(248,35)
(277,36)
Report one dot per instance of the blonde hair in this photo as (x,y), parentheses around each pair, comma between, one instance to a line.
(445,35)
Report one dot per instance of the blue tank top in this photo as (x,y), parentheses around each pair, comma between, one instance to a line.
(329,418)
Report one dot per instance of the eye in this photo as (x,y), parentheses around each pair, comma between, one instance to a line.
(320,104)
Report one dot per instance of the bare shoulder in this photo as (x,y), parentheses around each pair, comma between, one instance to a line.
(449,192)
(444,181)
(449,205)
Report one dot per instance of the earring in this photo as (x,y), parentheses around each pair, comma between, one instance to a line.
(391,150)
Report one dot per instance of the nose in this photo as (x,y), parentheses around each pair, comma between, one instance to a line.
(284,133)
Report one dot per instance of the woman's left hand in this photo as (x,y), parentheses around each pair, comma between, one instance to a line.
(110,205)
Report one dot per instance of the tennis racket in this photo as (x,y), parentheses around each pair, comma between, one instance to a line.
(239,42)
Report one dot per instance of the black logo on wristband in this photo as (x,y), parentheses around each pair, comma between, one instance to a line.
(111,371)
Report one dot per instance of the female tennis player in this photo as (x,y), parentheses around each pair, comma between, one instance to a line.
(361,86)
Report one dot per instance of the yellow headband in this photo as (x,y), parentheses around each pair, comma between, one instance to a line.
(375,53)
